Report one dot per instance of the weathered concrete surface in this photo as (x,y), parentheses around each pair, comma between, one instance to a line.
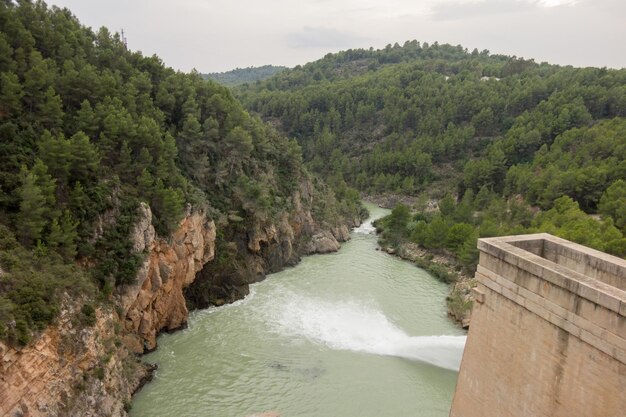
(548,334)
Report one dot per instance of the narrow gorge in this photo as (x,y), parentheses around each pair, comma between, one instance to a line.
(353,333)
(71,367)
(215,223)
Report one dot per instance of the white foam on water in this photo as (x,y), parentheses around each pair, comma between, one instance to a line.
(214,309)
(366,228)
(357,327)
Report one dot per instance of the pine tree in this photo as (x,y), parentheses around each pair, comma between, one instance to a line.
(6,52)
(79,201)
(125,164)
(51,111)
(86,119)
(145,182)
(48,187)
(31,218)
(35,81)
(63,235)
(11,94)
(168,205)
(613,203)
(56,153)
(187,141)
(84,157)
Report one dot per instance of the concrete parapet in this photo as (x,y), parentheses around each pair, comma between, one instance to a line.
(548,335)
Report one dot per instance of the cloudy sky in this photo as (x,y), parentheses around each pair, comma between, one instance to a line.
(218,35)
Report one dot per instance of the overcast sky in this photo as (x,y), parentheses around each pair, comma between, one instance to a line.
(218,35)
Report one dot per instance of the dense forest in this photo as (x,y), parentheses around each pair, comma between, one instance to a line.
(88,130)
(502,144)
(487,144)
(240,76)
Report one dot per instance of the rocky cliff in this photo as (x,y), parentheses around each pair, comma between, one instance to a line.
(155,302)
(248,253)
(78,369)
(74,369)
(71,370)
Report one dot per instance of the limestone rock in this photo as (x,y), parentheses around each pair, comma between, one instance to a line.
(143,233)
(269,246)
(261,235)
(64,373)
(323,242)
(341,233)
(155,301)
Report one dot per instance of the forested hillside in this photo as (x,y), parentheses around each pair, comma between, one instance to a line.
(88,130)
(240,76)
(510,145)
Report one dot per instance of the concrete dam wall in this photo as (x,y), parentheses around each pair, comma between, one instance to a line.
(548,333)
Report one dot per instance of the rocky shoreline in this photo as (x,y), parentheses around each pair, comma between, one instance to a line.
(445,268)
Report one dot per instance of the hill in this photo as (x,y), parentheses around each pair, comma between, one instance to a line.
(240,76)
(89,131)
(499,138)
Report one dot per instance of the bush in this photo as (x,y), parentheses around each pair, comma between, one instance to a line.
(88,315)
(30,289)
(441,273)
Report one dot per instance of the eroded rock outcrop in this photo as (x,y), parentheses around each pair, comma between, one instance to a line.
(70,370)
(156,302)
(77,370)
(73,369)
(322,242)
(265,247)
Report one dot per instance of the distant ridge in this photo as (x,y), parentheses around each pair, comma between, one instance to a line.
(240,76)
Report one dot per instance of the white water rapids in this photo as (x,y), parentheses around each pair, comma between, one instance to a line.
(359,328)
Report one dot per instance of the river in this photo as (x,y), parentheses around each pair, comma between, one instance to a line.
(354,333)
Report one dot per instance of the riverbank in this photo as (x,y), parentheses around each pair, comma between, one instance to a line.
(389,201)
(333,336)
(445,268)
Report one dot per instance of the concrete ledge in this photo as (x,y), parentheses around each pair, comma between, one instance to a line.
(510,251)
(548,336)
(585,305)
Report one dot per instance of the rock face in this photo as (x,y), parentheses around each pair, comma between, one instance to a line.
(155,302)
(70,370)
(323,242)
(267,247)
(76,370)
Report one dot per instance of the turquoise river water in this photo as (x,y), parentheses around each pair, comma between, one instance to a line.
(357,333)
